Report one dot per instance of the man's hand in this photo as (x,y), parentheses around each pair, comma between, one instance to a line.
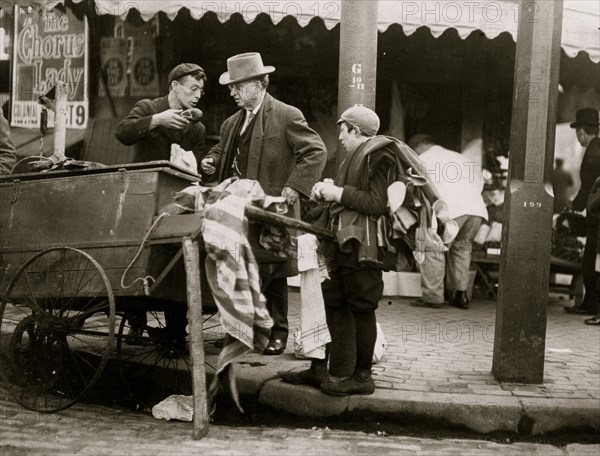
(208,166)
(290,195)
(171,118)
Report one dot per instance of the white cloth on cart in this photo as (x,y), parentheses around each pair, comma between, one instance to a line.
(314,332)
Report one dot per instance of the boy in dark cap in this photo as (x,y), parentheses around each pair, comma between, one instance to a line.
(153,126)
(587,126)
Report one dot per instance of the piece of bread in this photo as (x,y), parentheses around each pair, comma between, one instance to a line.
(193,115)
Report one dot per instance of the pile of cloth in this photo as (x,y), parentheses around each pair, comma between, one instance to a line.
(231,267)
(418,220)
(565,244)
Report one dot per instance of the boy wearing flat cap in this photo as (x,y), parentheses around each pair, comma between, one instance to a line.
(270,142)
(153,126)
(586,127)
(357,198)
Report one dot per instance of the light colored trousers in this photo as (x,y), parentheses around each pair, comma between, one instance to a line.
(452,265)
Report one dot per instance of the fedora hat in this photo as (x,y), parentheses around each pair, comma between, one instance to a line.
(586,117)
(242,67)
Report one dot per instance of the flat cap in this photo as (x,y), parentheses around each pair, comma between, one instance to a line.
(183,69)
(363,118)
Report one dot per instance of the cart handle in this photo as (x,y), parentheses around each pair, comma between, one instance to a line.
(256,213)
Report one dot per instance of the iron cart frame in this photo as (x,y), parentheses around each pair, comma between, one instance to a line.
(66,238)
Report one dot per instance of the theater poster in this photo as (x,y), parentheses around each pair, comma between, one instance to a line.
(49,46)
(113,57)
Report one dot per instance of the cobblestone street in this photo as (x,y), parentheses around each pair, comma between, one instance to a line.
(96,431)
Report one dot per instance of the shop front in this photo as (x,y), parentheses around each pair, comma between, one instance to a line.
(442,67)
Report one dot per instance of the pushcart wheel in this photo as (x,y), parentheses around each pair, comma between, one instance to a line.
(153,365)
(57,322)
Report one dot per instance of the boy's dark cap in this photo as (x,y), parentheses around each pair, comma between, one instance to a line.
(183,69)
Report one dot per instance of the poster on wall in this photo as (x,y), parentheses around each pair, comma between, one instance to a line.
(49,46)
(113,57)
(144,73)
(142,69)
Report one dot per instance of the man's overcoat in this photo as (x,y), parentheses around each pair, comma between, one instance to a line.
(155,144)
(284,150)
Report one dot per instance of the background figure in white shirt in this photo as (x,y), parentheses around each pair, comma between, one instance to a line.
(460,183)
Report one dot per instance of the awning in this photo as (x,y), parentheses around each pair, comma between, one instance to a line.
(581,19)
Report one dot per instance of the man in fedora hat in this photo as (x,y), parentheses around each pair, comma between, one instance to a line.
(460,183)
(586,128)
(271,142)
(153,126)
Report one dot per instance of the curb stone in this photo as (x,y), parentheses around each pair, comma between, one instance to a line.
(482,415)
(555,414)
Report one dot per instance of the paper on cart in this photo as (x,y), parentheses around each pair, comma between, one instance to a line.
(307,252)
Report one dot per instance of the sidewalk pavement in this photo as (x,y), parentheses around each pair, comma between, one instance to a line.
(437,366)
(437,369)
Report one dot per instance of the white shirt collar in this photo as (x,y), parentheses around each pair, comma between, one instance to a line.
(257,107)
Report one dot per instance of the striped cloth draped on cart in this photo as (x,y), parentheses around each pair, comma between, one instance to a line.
(232,272)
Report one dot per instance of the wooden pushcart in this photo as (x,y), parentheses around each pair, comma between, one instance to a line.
(66,240)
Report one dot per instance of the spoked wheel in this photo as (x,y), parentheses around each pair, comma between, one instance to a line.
(57,323)
(153,364)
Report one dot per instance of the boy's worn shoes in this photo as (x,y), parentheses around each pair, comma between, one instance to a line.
(275,347)
(312,377)
(359,383)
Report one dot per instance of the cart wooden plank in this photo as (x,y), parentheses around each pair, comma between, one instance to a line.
(171,229)
(191,257)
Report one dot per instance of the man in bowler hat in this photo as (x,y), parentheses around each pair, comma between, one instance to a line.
(153,126)
(271,142)
(586,128)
